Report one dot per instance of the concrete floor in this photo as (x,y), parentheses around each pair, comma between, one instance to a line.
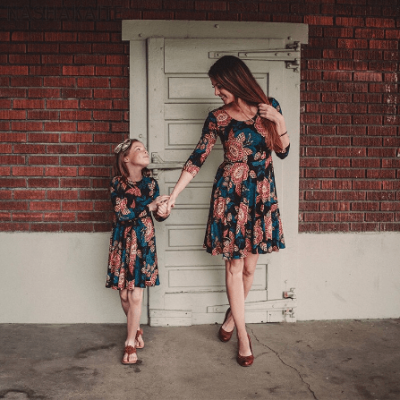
(305,360)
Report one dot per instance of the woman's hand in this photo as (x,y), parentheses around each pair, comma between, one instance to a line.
(162,210)
(269,112)
(170,204)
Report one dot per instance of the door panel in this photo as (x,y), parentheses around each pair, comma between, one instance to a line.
(180,96)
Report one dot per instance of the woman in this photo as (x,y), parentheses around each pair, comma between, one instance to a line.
(244,218)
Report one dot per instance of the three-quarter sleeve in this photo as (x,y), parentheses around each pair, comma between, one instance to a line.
(285,152)
(204,146)
(128,202)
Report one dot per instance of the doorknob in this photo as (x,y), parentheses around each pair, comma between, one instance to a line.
(157,164)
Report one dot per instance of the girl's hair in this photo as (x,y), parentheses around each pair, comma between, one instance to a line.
(121,151)
(235,76)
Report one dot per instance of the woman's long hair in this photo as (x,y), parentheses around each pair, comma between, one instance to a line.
(235,76)
(120,168)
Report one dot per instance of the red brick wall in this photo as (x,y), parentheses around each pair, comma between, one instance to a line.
(64,105)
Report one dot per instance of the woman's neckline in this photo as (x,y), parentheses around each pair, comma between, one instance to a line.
(240,120)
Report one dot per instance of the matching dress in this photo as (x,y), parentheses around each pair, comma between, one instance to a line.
(243,218)
(244,215)
(132,257)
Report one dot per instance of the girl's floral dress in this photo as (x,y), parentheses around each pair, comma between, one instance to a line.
(132,258)
(244,215)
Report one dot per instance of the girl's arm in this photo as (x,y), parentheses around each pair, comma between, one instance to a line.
(129,203)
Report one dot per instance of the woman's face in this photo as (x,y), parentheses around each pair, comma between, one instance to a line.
(226,96)
(138,155)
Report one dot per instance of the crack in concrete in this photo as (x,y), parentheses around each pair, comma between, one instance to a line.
(284,363)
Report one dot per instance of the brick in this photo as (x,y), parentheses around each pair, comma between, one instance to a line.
(62,195)
(334,227)
(27,171)
(12,159)
(93,82)
(42,183)
(338,97)
(43,137)
(14,205)
(352,108)
(349,217)
(77,206)
(45,206)
(369,33)
(352,43)
(352,87)
(109,94)
(107,115)
(27,217)
(86,59)
(338,54)
(108,48)
(366,185)
(368,55)
(79,160)
(336,119)
(43,160)
(25,103)
(367,98)
(59,217)
(29,194)
(27,126)
(392,206)
(337,185)
(349,21)
(334,163)
(74,48)
(336,141)
(24,59)
(78,70)
(118,83)
(75,115)
(382,88)
(109,71)
(380,22)
(94,171)
(365,206)
(96,104)
(350,195)
(384,44)
(60,36)
(319,173)
(13,70)
(44,70)
(381,196)
(365,163)
(12,92)
(62,104)
(43,93)
(93,127)
(379,217)
(368,76)
(337,76)
(350,173)
(57,81)
(74,182)
(12,114)
(367,119)
(381,174)
(5,171)
(352,65)
(43,115)
(60,171)
(60,126)
(40,48)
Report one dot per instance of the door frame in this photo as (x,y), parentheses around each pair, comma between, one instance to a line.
(138,31)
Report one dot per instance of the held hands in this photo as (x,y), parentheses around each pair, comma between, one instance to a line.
(153,206)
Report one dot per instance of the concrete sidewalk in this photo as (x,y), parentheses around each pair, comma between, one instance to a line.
(300,361)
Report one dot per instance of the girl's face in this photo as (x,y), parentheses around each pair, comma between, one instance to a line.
(226,96)
(138,155)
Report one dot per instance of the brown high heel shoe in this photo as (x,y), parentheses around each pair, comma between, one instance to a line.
(139,333)
(223,335)
(245,361)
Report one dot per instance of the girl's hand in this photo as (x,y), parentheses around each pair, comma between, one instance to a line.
(153,206)
(162,210)
(269,112)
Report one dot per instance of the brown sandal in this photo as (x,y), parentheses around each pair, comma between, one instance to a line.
(129,350)
(139,333)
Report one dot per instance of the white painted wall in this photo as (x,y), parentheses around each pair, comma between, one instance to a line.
(59,278)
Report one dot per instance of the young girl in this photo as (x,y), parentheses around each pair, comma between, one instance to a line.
(132,263)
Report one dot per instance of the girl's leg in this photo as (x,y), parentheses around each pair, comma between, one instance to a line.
(250,263)
(135,298)
(125,306)
(235,290)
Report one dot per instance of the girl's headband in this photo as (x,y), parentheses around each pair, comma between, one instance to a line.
(123,146)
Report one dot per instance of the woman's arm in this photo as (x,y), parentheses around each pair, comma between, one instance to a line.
(271,113)
(183,181)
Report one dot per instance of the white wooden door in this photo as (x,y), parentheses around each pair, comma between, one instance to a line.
(180,95)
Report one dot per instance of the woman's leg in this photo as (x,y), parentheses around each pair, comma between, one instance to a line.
(135,299)
(250,263)
(235,290)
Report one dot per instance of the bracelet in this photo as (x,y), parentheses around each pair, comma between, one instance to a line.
(283,134)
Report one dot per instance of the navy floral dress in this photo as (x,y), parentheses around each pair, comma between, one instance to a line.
(132,258)
(244,215)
